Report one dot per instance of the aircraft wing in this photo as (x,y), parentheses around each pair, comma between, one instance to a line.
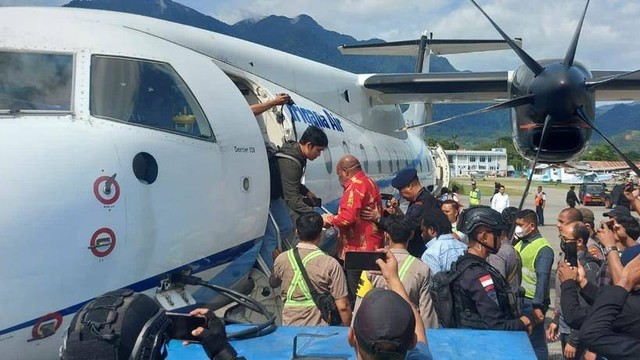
(621,89)
(437,46)
(438,87)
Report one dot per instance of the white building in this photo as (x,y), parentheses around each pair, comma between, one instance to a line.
(466,162)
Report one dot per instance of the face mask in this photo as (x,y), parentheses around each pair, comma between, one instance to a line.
(519,232)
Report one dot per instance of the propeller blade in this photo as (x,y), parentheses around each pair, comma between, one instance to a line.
(571,51)
(593,83)
(533,65)
(584,118)
(547,120)
(522,100)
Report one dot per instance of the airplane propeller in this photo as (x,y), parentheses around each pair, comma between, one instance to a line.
(557,91)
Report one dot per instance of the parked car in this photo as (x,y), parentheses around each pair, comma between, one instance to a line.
(592,193)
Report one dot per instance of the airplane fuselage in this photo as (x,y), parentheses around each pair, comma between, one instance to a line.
(138,156)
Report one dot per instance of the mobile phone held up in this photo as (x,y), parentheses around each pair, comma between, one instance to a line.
(362,260)
(183,324)
(571,253)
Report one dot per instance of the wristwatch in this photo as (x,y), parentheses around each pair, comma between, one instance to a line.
(609,249)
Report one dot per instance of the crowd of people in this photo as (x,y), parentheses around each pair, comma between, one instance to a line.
(489,265)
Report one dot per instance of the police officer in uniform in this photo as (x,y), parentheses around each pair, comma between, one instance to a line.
(421,202)
(482,299)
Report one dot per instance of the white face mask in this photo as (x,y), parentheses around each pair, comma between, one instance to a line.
(519,232)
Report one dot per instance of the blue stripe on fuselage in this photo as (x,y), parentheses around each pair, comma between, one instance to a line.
(197,266)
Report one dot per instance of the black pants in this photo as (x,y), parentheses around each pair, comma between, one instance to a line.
(540,213)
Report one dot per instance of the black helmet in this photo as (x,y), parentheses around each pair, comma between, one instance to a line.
(509,215)
(479,215)
(117,325)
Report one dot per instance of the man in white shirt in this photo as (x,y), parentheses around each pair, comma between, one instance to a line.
(500,200)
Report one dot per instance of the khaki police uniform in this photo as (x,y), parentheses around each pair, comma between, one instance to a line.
(416,278)
(324,271)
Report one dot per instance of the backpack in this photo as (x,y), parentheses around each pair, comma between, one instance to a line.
(275,180)
(441,292)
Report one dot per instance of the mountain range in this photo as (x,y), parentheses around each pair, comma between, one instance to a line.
(304,37)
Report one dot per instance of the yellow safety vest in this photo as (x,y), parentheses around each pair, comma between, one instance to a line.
(474,197)
(528,256)
(298,281)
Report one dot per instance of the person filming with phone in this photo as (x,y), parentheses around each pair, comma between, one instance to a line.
(573,240)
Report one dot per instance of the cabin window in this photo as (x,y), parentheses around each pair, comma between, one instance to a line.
(390,161)
(483,159)
(395,153)
(378,159)
(328,160)
(145,93)
(365,158)
(35,82)
(346,149)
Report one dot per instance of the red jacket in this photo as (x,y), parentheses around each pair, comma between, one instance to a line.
(355,233)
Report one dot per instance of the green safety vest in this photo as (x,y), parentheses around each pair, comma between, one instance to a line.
(474,197)
(528,255)
(298,281)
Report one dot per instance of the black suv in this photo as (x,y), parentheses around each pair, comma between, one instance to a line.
(592,193)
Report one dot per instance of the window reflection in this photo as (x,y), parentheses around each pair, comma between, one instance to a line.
(145,93)
(35,81)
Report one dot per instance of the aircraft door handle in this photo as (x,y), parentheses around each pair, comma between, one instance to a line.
(109,183)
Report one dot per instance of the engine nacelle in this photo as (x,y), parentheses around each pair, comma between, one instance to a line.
(559,91)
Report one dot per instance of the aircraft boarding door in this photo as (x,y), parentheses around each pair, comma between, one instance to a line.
(275,126)
(190,194)
(443,175)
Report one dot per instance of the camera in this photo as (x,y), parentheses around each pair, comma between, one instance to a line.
(290,102)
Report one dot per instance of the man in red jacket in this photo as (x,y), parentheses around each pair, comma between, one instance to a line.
(360,192)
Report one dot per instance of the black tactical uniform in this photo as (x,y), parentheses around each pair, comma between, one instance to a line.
(482,299)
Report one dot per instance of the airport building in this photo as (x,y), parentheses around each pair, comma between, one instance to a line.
(473,162)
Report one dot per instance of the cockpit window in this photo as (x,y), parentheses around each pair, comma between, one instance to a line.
(32,82)
(145,93)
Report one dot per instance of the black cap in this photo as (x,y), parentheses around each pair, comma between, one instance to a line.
(618,211)
(384,324)
(404,178)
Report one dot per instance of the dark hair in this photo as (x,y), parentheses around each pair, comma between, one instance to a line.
(437,220)
(630,225)
(455,188)
(309,226)
(500,186)
(573,214)
(399,230)
(572,187)
(529,215)
(473,235)
(444,190)
(452,203)
(581,231)
(315,136)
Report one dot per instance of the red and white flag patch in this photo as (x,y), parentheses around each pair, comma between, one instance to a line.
(487,282)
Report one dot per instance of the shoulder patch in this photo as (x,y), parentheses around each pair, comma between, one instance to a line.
(487,282)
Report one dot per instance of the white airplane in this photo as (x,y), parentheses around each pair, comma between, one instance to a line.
(130,154)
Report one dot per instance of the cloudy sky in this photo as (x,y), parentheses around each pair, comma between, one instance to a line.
(610,37)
